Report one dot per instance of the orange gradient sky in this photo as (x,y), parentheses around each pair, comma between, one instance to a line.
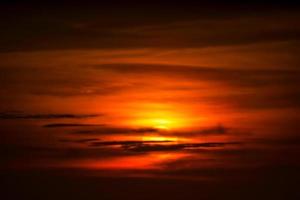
(156,94)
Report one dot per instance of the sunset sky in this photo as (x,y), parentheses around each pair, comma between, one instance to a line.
(185,94)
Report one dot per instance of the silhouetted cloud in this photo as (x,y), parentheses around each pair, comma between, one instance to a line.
(85,140)
(177,147)
(127,143)
(65,125)
(20,115)
(105,129)
(24,153)
(117,130)
(166,145)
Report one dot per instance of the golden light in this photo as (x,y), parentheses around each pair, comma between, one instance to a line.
(159,138)
(159,123)
(160,116)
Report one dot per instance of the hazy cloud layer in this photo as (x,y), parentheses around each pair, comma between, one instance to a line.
(234,77)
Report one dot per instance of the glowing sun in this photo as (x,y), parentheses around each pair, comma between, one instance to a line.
(160,116)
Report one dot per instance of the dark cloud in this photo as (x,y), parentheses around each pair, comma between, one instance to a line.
(125,143)
(65,125)
(177,147)
(202,131)
(20,115)
(27,155)
(167,145)
(117,130)
(85,140)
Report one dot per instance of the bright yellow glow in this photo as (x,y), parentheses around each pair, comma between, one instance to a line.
(161,116)
(159,138)
(160,123)
(167,116)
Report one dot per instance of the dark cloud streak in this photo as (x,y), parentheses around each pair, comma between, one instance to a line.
(20,115)
(116,130)
(167,145)
(85,140)
(66,125)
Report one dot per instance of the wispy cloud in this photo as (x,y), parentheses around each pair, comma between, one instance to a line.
(167,145)
(116,130)
(126,143)
(66,125)
(85,140)
(230,76)
(20,115)
(106,129)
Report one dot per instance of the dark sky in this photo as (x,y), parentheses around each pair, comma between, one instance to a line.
(69,25)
